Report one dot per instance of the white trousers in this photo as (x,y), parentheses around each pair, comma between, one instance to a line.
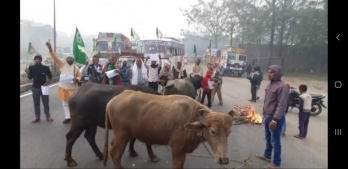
(66,110)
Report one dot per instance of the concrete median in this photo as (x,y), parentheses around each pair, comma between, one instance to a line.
(27,87)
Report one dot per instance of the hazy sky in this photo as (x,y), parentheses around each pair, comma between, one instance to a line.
(93,16)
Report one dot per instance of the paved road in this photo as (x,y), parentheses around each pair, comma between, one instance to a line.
(43,144)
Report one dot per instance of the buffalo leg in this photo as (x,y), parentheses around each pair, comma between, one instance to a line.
(131,149)
(77,127)
(152,155)
(179,157)
(118,147)
(90,137)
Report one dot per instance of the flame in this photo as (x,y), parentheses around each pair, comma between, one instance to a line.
(253,117)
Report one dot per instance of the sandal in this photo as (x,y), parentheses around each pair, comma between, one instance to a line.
(263,158)
(298,136)
(271,166)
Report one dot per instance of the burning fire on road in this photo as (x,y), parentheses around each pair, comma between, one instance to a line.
(247,114)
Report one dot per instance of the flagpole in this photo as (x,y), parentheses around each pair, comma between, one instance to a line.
(26,63)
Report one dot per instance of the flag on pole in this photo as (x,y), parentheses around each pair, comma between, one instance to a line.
(79,50)
(31,50)
(134,35)
(159,34)
(195,50)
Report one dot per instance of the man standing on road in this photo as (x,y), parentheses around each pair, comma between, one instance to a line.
(259,84)
(139,73)
(217,75)
(126,73)
(276,98)
(41,76)
(249,70)
(112,65)
(94,70)
(69,77)
(255,79)
(154,70)
(197,69)
(179,72)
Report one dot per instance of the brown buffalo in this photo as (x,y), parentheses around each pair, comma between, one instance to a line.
(87,109)
(174,120)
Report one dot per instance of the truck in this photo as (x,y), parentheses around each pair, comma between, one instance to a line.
(107,45)
(233,61)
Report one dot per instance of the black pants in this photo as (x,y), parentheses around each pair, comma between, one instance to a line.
(153,85)
(303,123)
(37,93)
(253,92)
(208,94)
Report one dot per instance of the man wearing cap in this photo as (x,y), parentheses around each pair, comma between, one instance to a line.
(153,71)
(69,77)
(41,76)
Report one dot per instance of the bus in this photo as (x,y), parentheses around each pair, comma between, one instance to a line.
(170,49)
(106,45)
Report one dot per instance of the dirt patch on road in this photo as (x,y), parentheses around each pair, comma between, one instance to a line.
(315,86)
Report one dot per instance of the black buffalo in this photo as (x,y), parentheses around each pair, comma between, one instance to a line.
(87,108)
(187,86)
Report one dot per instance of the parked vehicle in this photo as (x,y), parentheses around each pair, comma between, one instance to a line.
(317,101)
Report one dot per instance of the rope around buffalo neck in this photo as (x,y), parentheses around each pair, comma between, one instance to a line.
(248,158)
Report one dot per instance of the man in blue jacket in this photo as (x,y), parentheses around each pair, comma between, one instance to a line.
(275,103)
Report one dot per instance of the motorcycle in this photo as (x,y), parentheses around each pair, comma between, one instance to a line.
(317,101)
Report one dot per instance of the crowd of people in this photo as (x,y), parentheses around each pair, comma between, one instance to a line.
(153,76)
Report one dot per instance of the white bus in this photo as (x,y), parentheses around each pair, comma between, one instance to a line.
(170,49)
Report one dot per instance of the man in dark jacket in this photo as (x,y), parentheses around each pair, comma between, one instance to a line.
(275,103)
(41,76)
(249,69)
(94,71)
(255,79)
(261,78)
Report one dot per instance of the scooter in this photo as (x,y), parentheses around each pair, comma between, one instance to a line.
(317,101)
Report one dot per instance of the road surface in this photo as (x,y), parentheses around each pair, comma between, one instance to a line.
(43,144)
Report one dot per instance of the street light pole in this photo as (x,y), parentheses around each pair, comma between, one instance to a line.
(54,31)
(54,24)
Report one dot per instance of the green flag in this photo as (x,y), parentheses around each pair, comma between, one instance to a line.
(134,35)
(79,50)
(31,50)
(159,34)
(195,50)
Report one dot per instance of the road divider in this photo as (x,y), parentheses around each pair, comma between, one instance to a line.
(27,87)
(30,93)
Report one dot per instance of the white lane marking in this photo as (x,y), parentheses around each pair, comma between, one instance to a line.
(30,93)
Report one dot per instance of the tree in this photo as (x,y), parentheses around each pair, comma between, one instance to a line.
(208,18)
